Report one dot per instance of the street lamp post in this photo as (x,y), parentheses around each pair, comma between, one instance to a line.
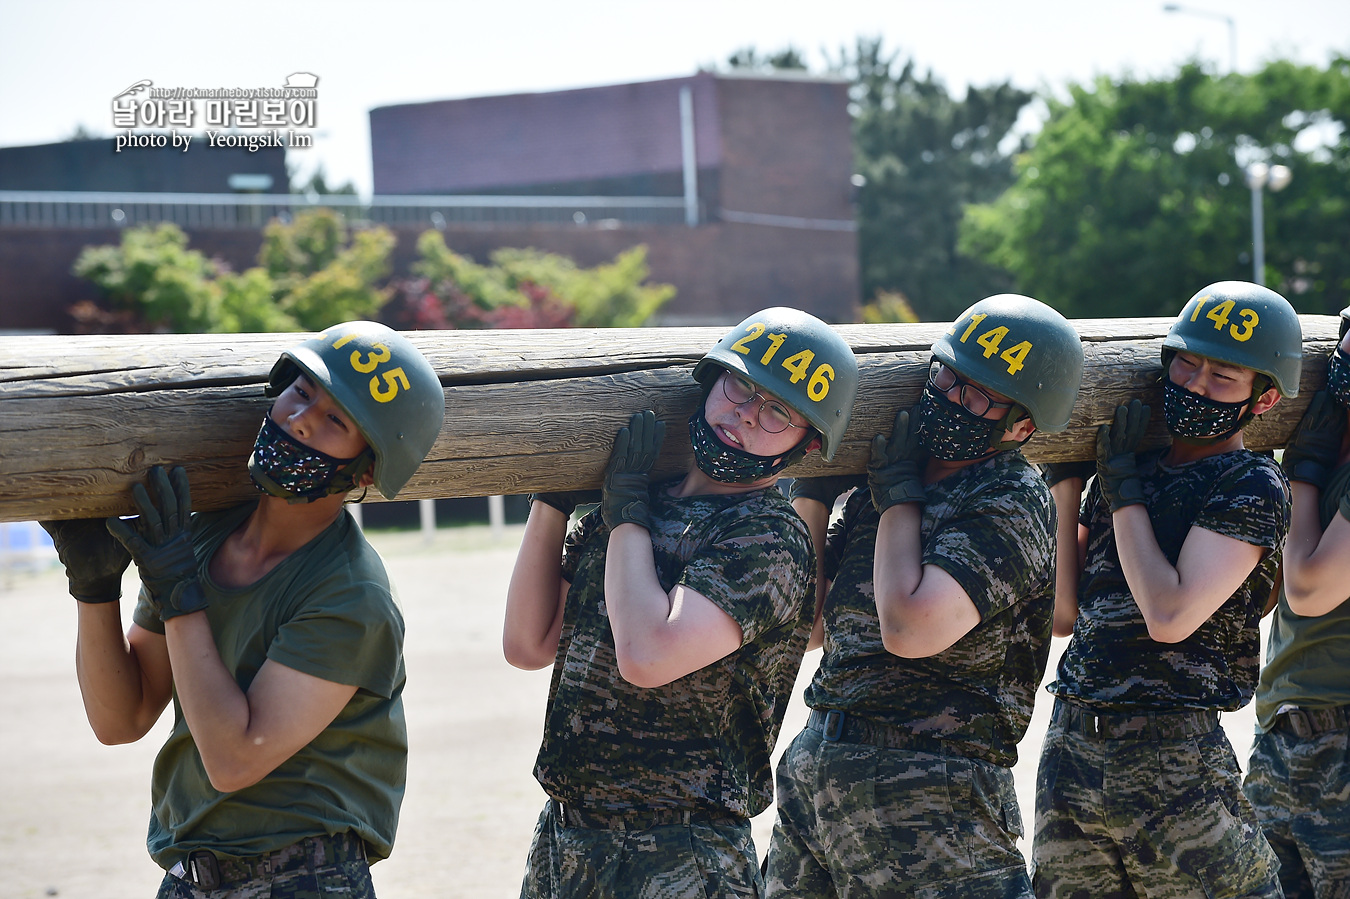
(1259,175)
(1232,28)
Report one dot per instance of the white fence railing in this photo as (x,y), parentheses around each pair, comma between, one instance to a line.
(98,209)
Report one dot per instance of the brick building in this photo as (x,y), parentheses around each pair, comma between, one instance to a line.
(760,164)
(765,162)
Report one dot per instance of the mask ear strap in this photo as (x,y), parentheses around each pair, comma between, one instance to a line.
(1260,384)
(345,478)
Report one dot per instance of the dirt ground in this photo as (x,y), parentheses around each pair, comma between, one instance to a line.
(73,812)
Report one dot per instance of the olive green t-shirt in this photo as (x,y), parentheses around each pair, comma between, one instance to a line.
(1308,659)
(327,610)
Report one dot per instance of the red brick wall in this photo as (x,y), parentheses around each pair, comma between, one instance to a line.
(722,271)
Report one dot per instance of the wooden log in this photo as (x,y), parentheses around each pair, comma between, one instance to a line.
(82,418)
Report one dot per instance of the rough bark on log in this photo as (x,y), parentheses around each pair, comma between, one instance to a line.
(82,418)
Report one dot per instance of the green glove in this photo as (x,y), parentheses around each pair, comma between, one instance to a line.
(1054,472)
(895,469)
(1117,470)
(825,489)
(94,560)
(624,498)
(568,501)
(161,543)
(1316,444)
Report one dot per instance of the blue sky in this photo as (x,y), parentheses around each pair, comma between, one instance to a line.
(62,61)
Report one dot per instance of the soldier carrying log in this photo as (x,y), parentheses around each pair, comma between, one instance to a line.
(273,627)
(1138,791)
(675,617)
(936,628)
(1298,777)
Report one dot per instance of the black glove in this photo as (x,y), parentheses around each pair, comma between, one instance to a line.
(825,489)
(568,501)
(895,469)
(1054,472)
(161,543)
(1312,451)
(94,560)
(624,498)
(1117,470)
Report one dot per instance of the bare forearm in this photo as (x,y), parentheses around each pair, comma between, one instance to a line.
(1316,562)
(1153,581)
(534,604)
(1067,494)
(897,572)
(119,703)
(216,709)
(638,608)
(817,518)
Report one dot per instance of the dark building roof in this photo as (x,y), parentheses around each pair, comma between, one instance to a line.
(86,165)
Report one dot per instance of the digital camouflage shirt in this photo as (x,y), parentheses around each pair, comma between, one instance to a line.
(991,526)
(1111,662)
(702,742)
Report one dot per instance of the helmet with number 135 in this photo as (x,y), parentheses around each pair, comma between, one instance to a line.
(383,383)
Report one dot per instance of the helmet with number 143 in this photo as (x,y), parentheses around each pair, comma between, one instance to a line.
(383,383)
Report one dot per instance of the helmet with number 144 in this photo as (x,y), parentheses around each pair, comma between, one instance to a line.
(384,383)
(1016,346)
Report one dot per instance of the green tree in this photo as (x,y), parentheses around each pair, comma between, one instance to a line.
(323,275)
(153,276)
(1132,196)
(310,276)
(923,156)
(525,288)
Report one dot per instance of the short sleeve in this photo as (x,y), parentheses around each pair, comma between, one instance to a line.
(1251,503)
(759,570)
(576,539)
(1000,546)
(346,631)
(145,615)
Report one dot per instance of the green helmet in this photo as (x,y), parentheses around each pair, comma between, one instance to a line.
(1021,348)
(796,357)
(383,383)
(1242,324)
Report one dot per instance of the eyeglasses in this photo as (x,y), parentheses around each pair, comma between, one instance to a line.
(973,399)
(773,416)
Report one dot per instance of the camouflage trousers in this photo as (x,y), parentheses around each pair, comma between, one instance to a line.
(1145,805)
(1299,783)
(712,859)
(857,820)
(314,868)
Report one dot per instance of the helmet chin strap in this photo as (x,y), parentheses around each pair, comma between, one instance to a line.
(1015,414)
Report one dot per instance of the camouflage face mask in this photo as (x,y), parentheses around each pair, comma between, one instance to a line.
(727,464)
(283,466)
(1338,377)
(1199,419)
(950,432)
